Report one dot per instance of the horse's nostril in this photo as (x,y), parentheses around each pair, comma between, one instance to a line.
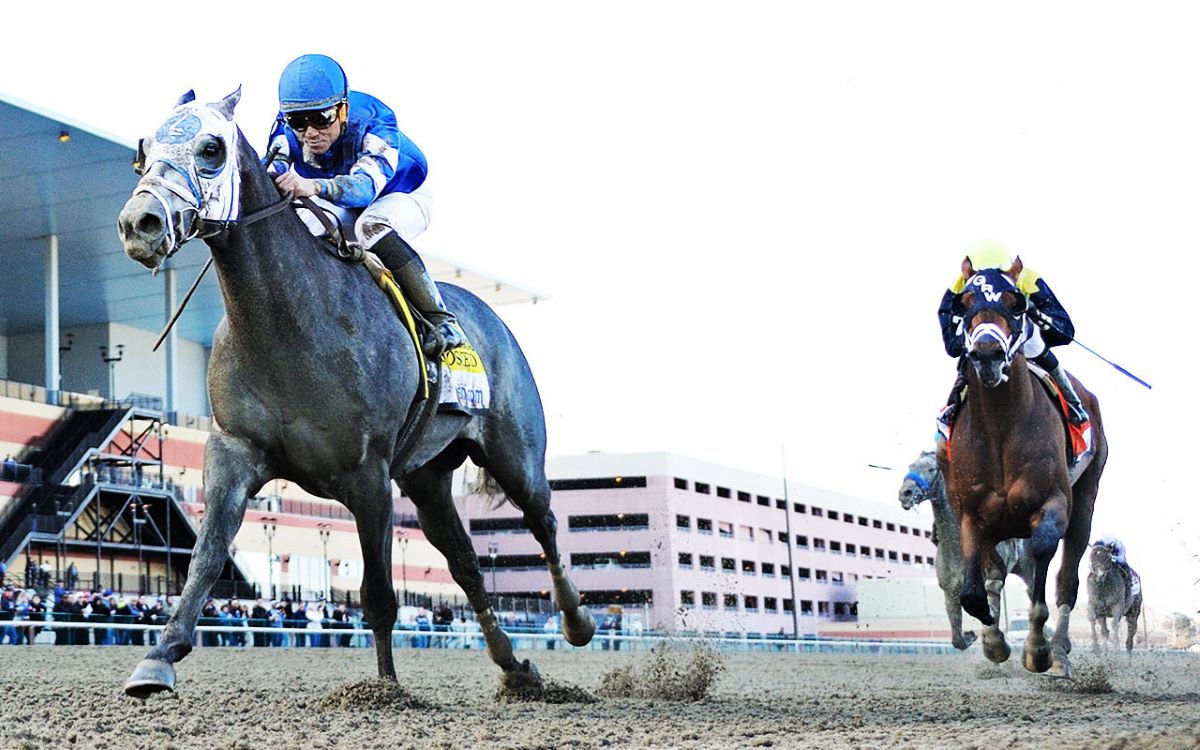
(149,225)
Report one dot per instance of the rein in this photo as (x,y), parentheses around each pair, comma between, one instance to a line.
(203,228)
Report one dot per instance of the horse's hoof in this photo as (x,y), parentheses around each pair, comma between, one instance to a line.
(1061,668)
(964,641)
(1037,659)
(149,677)
(995,648)
(523,680)
(579,627)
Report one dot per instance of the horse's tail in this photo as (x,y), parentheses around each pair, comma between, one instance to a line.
(485,485)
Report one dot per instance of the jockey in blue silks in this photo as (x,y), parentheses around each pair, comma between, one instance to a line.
(1047,325)
(343,149)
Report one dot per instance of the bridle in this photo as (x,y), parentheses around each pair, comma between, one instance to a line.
(157,186)
(989,300)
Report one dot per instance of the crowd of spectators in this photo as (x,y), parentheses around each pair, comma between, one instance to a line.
(24,614)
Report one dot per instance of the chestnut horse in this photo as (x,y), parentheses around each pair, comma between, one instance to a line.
(1009,476)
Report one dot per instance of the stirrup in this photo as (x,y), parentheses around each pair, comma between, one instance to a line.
(1076,415)
(945,420)
(442,337)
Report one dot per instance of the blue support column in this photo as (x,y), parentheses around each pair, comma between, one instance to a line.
(53,376)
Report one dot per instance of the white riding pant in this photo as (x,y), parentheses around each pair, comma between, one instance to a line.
(406,213)
(1034,345)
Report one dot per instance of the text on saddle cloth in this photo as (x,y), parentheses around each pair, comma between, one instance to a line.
(464,382)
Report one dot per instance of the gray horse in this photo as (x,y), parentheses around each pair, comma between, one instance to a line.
(1111,594)
(312,379)
(924,482)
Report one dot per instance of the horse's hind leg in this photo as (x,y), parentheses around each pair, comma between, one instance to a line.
(233,471)
(525,484)
(370,500)
(429,488)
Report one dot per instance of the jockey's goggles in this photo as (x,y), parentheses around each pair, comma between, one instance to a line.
(314,118)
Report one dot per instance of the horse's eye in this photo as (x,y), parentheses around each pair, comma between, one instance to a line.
(211,150)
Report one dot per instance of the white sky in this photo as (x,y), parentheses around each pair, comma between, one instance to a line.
(746,213)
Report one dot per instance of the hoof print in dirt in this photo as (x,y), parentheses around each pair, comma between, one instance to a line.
(547,691)
(372,695)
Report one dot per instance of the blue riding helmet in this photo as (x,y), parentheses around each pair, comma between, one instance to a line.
(311,82)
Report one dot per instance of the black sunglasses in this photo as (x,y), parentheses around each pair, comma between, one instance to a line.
(315,118)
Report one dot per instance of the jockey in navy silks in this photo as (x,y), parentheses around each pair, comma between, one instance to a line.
(343,149)
(1047,325)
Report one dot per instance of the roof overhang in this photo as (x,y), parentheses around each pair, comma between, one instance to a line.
(73,187)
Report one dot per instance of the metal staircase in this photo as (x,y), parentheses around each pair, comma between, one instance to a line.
(103,493)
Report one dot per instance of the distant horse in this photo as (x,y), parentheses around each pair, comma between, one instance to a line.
(924,482)
(1111,594)
(1007,471)
(312,379)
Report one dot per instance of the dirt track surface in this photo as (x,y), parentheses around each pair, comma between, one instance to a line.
(70,697)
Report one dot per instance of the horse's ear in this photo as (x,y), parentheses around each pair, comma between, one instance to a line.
(226,105)
(189,96)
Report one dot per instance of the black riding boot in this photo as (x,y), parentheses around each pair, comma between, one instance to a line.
(1075,411)
(418,287)
(946,416)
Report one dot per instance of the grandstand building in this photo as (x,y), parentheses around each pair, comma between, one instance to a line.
(685,544)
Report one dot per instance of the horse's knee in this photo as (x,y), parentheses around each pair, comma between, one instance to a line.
(1043,543)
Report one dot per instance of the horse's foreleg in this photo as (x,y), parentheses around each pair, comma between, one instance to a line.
(973,595)
(525,483)
(429,489)
(995,646)
(233,471)
(1043,543)
(1075,543)
(370,501)
(1116,626)
(1131,623)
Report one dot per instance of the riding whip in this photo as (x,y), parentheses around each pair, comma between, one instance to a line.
(1047,320)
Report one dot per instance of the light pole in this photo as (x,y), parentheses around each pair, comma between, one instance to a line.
(493,548)
(269,532)
(402,538)
(323,530)
(63,349)
(111,360)
(139,520)
(60,541)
